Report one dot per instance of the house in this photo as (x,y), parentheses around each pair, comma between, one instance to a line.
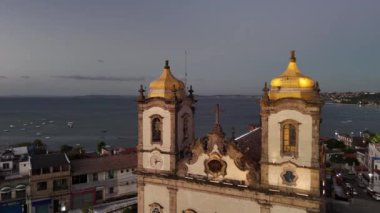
(102,180)
(50,182)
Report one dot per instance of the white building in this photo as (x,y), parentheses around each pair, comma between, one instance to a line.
(102,180)
(374,166)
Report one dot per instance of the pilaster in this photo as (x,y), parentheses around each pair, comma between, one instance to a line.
(140,194)
(172,199)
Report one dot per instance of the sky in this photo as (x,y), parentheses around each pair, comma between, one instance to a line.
(97,47)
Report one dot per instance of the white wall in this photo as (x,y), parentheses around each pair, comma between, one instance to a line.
(126,182)
(210,203)
(233,172)
(24,168)
(286,209)
(156,194)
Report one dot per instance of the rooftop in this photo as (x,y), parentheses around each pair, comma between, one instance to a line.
(48,160)
(105,163)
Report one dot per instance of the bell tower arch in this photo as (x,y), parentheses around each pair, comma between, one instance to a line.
(165,122)
(290,116)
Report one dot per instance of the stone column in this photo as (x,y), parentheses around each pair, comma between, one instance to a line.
(265,208)
(140,194)
(172,199)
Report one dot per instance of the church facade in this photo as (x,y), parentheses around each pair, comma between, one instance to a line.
(272,168)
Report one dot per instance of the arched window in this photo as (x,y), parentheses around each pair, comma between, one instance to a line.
(289,138)
(156,208)
(189,211)
(156,129)
(185,129)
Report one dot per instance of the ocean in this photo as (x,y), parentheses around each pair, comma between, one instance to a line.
(113,119)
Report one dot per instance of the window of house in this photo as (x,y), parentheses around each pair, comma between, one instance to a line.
(110,174)
(189,211)
(6,195)
(99,195)
(65,168)
(60,184)
(36,171)
(56,169)
(156,129)
(78,179)
(110,190)
(41,186)
(6,166)
(289,131)
(20,193)
(46,170)
(121,171)
(95,177)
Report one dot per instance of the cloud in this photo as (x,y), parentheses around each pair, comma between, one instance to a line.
(25,76)
(100,61)
(100,78)
(3,76)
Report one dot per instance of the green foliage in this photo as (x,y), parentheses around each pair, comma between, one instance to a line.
(75,153)
(352,161)
(349,150)
(337,158)
(374,138)
(99,146)
(38,143)
(23,144)
(334,144)
(66,148)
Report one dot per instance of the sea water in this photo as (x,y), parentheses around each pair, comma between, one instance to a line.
(87,120)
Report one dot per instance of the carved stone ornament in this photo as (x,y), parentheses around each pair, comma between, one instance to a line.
(156,208)
(289,176)
(215,166)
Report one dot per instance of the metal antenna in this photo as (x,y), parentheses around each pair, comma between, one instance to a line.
(185,68)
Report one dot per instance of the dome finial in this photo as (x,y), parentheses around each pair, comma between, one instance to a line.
(167,64)
(292,55)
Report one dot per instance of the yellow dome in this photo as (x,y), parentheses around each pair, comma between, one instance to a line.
(164,85)
(292,83)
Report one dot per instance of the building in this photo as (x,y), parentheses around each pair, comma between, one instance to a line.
(102,180)
(273,168)
(374,166)
(358,143)
(14,180)
(50,182)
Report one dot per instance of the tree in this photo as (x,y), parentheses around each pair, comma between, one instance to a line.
(334,144)
(66,148)
(100,146)
(38,143)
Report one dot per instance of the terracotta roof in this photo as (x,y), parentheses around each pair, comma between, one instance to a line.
(48,160)
(250,144)
(105,163)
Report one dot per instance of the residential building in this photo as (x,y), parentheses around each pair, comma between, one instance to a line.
(14,181)
(374,166)
(102,180)
(50,182)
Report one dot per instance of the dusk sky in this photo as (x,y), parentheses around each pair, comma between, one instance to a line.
(88,47)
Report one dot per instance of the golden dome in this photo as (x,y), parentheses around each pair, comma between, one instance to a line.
(164,85)
(292,83)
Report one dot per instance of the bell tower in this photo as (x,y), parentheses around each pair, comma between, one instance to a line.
(290,116)
(165,122)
